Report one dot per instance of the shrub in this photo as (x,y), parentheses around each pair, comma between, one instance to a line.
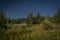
(47,25)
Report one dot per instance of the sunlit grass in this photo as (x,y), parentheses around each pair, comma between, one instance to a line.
(36,32)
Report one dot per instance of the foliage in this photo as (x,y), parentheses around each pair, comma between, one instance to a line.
(48,30)
(17,33)
(37,19)
(47,24)
(30,18)
(2,18)
(57,17)
(8,20)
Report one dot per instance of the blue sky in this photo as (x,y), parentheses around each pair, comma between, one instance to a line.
(21,8)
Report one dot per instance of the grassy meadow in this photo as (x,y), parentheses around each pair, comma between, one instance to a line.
(31,32)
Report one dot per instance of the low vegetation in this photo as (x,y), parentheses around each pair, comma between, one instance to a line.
(35,28)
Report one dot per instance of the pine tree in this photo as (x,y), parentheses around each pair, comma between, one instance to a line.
(38,18)
(57,16)
(30,18)
(1,17)
(2,20)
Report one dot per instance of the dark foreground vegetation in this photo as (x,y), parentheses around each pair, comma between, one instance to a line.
(30,28)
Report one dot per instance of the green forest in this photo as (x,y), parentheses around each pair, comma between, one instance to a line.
(30,28)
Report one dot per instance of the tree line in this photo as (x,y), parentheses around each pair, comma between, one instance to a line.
(30,19)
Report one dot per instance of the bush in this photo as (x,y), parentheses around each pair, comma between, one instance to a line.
(47,25)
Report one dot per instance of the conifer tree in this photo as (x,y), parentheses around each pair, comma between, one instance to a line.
(30,18)
(38,18)
(2,19)
(57,16)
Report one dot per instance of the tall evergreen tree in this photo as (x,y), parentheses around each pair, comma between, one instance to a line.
(57,16)
(37,19)
(2,18)
(30,18)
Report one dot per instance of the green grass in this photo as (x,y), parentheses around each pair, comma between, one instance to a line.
(36,32)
